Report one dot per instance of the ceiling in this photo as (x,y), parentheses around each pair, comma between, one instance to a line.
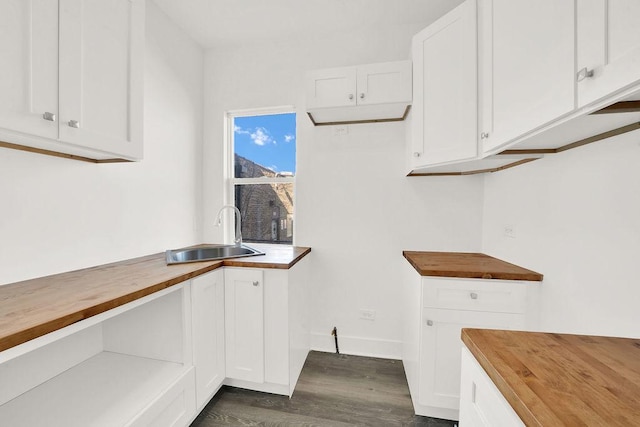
(214,23)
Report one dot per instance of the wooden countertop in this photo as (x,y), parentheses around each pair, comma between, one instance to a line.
(467,265)
(35,307)
(562,380)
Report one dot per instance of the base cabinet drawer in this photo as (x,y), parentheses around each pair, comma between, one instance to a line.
(499,296)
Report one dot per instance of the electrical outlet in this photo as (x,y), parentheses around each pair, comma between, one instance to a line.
(367,314)
(340,130)
(510,231)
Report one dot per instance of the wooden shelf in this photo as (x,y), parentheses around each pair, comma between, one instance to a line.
(108,389)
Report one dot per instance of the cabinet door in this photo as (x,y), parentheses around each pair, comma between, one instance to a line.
(527,66)
(207,296)
(334,87)
(445,124)
(481,403)
(384,83)
(608,45)
(29,71)
(101,72)
(244,324)
(440,351)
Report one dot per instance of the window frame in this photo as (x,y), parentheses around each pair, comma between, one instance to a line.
(230,181)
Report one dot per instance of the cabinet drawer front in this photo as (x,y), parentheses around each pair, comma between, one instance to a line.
(477,295)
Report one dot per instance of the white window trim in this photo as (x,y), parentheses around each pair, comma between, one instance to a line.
(230,181)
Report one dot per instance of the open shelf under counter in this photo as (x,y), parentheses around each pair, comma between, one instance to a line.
(108,389)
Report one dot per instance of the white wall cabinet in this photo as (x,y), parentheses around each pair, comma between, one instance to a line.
(128,366)
(481,403)
(445,102)
(436,310)
(207,301)
(29,72)
(266,327)
(541,66)
(608,56)
(526,67)
(371,92)
(73,78)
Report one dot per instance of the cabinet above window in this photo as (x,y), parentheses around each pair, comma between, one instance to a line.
(363,94)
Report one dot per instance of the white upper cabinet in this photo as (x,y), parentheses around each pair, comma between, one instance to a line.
(29,71)
(101,76)
(72,77)
(527,67)
(608,57)
(367,93)
(334,87)
(445,107)
(383,83)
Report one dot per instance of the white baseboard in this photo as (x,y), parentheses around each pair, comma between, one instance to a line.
(264,387)
(357,346)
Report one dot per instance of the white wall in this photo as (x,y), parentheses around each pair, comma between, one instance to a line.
(354,206)
(58,215)
(577,221)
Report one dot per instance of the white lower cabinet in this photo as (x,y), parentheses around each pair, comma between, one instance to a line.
(207,305)
(436,310)
(157,361)
(244,320)
(130,366)
(440,351)
(481,403)
(266,327)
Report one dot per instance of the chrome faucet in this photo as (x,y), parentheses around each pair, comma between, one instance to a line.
(238,238)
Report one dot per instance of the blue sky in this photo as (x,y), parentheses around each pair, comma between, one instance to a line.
(269,140)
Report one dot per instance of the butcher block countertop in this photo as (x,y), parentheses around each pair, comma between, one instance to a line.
(467,265)
(35,307)
(562,380)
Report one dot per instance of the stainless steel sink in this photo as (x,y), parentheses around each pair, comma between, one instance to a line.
(209,253)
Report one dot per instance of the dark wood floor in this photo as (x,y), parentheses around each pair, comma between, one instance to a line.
(333,390)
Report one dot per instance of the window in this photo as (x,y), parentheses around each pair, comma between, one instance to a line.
(261,167)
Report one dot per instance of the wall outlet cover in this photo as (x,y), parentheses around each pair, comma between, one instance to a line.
(510,231)
(367,314)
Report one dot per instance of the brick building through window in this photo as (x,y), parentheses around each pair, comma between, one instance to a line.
(260,173)
(266,209)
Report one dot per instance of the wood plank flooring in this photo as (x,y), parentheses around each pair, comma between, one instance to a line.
(333,390)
